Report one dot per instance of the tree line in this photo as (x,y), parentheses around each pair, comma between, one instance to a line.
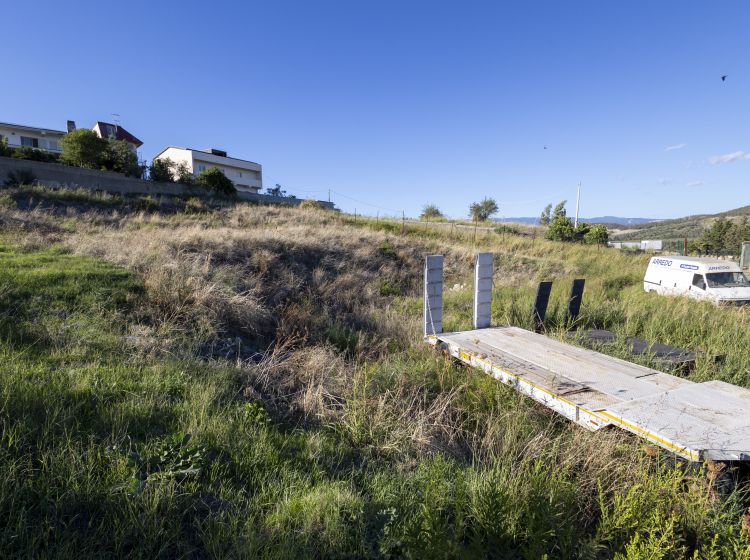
(723,237)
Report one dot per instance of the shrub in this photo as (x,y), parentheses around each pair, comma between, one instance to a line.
(5,151)
(161,170)
(20,177)
(214,180)
(194,205)
(311,204)
(598,234)
(561,229)
(83,148)
(431,212)
(183,175)
(148,204)
(121,157)
(33,154)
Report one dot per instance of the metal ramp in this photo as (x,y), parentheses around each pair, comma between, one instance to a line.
(697,421)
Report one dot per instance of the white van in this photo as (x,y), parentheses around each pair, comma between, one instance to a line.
(712,279)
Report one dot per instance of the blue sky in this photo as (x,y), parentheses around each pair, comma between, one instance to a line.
(396,104)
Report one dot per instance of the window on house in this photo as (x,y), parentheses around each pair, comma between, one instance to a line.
(53,145)
(201,168)
(29,142)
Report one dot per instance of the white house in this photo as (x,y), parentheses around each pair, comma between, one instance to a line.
(19,135)
(246,175)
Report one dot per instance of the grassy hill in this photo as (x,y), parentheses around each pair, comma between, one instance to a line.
(180,380)
(689,226)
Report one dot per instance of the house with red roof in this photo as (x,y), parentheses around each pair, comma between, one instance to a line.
(116,132)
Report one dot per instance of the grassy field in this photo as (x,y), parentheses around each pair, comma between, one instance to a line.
(250,382)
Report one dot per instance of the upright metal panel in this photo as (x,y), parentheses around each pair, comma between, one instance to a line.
(540,305)
(433,295)
(745,256)
(576,296)
(483,290)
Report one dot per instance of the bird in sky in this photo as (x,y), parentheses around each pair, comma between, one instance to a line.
(545,147)
(724,77)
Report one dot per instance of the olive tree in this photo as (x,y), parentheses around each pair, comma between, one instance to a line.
(431,212)
(484,210)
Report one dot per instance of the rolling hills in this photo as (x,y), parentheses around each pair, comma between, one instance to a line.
(689,226)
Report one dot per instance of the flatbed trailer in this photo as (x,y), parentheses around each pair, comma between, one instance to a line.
(696,421)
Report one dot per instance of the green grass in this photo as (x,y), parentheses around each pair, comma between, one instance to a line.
(111,449)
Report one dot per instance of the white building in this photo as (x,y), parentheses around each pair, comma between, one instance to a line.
(19,135)
(246,175)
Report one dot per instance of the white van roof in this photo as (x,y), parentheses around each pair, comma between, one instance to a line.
(702,264)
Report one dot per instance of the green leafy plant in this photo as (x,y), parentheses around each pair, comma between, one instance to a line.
(33,154)
(160,170)
(5,151)
(213,179)
(183,174)
(177,460)
(83,148)
(122,158)
(20,177)
(597,235)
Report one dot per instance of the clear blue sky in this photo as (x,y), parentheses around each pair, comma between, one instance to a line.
(401,103)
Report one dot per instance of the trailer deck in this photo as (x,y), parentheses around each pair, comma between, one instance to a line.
(697,421)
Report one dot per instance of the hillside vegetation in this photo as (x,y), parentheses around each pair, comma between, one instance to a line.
(691,227)
(250,382)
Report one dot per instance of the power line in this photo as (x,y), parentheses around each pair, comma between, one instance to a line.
(365,203)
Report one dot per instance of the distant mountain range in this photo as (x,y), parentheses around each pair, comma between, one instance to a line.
(598,220)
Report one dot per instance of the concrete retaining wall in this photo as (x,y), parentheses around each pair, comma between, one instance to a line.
(57,175)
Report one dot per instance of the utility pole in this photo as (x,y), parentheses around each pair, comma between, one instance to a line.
(329,195)
(578,204)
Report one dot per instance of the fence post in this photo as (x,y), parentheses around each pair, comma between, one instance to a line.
(433,295)
(483,290)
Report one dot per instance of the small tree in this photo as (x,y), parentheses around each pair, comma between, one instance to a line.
(214,180)
(182,174)
(484,210)
(431,212)
(161,170)
(597,235)
(561,229)
(546,216)
(122,158)
(276,190)
(559,210)
(83,148)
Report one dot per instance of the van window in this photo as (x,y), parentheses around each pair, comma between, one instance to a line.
(699,282)
(726,280)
